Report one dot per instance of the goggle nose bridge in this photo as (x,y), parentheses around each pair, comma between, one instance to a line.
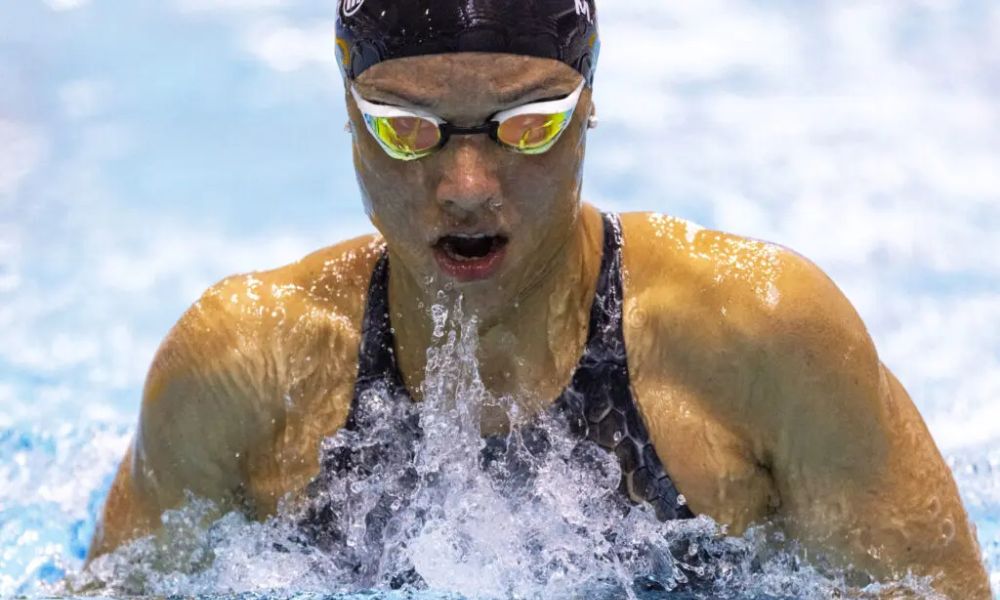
(490,128)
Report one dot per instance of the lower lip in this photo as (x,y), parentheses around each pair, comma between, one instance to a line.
(476,269)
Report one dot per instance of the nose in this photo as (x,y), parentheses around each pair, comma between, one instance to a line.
(469,181)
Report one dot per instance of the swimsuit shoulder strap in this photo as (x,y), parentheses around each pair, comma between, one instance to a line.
(605,328)
(599,401)
(377,364)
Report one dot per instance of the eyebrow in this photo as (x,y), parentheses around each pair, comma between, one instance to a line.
(512,96)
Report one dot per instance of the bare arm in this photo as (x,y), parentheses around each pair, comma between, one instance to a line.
(855,466)
(203,407)
(243,390)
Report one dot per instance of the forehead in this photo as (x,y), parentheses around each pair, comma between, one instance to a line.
(474,76)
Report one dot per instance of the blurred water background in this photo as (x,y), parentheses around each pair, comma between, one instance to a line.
(148,149)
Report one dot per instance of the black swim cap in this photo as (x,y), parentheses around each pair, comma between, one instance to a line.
(373,31)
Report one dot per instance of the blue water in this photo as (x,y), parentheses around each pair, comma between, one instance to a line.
(149,149)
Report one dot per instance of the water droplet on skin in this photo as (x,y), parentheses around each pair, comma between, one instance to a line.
(947,531)
(934,506)
(508,340)
(637,317)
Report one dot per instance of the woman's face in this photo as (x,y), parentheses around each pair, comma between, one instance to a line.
(473,215)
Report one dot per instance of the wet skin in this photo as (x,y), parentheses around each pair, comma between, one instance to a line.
(761,388)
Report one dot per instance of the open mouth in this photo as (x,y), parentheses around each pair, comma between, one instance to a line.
(470,257)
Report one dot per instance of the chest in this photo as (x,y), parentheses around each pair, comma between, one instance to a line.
(709,464)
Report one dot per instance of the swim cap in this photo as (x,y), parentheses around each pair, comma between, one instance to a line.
(373,31)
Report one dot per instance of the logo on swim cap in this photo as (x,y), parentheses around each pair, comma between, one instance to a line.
(582,8)
(349,7)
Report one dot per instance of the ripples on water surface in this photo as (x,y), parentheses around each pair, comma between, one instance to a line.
(153,148)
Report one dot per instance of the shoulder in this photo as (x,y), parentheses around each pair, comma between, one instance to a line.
(767,289)
(743,305)
(250,337)
(324,290)
(257,354)
(329,285)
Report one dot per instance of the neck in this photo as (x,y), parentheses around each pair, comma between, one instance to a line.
(527,349)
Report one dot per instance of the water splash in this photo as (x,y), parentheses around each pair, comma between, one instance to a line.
(422,502)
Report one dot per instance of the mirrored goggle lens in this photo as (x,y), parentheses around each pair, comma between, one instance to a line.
(533,134)
(405,138)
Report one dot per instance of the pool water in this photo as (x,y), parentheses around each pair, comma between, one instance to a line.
(544,519)
(151,149)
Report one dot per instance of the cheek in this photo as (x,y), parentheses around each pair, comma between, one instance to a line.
(393,192)
(545,190)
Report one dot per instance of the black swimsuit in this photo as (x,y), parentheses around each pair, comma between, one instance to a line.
(598,403)
(598,407)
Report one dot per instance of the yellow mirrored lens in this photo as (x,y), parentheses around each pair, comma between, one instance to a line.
(532,134)
(405,138)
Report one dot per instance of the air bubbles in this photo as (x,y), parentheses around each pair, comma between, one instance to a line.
(439,315)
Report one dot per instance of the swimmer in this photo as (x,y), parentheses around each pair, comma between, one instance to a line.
(730,377)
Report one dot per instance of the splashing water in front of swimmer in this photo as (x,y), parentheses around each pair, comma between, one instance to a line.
(415,498)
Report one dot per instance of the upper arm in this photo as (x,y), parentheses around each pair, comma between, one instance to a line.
(243,390)
(855,466)
(204,406)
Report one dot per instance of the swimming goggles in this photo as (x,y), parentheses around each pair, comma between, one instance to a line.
(410,133)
